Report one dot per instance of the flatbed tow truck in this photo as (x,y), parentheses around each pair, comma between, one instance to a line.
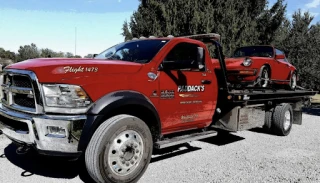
(117,108)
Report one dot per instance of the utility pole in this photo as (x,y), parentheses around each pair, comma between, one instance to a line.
(75,41)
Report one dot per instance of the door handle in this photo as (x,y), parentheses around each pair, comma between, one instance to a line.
(206,82)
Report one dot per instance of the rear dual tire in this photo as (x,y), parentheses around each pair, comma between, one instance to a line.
(120,150)
(279,119)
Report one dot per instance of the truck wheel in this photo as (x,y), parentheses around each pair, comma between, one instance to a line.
(120,150)
(282,119)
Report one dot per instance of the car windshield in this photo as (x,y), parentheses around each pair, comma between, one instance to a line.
(254,51)
(139,51)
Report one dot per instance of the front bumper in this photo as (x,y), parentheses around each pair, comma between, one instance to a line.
(31,130)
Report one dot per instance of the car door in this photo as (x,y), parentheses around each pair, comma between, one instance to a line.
(185,97)
(281,67)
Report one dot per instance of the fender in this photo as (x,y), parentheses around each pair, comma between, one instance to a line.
(106,104)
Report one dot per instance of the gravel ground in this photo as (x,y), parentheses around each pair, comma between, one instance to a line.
(248,156)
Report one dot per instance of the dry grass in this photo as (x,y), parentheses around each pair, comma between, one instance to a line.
(316,99)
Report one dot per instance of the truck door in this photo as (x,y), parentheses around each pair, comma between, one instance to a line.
(186,91)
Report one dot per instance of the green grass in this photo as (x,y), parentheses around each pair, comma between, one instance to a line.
(316,99)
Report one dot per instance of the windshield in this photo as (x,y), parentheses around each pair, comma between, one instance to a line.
(139,51)
(254,51)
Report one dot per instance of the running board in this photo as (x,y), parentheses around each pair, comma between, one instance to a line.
(184,139)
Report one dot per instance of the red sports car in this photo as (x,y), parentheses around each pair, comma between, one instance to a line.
(260,66)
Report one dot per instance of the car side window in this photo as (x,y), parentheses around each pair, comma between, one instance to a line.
(279,52)
(182,57)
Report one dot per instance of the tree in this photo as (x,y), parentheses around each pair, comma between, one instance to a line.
(6,54)
(302,43)
(68,55)
(28,52)
(269,21)
(47,53)
(236,21)
(88,56)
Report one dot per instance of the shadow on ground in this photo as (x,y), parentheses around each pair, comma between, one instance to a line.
(313,110)
(261,130)
(53,167)
(223,139)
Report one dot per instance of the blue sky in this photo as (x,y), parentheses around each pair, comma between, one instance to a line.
(51,23)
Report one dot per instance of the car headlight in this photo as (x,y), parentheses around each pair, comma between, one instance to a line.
(65,96)
(247,62)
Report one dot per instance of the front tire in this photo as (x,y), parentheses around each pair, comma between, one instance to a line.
(293,81)
(264,77)
(120,150)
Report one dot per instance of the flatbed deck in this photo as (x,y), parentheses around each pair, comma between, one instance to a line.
(268,95)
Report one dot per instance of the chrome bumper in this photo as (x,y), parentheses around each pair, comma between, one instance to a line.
(34,132)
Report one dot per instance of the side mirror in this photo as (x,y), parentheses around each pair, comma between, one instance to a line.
(280,57)
(94,55)
(200,58)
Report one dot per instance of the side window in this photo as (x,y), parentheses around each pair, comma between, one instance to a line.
(182,57)
(278,52)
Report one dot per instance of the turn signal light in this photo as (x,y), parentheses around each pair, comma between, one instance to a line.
(247,72)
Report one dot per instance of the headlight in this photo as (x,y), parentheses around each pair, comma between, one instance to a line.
(65,96)
(247,62)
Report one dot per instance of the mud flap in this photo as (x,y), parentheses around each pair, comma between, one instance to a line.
(297,112)
(297,117)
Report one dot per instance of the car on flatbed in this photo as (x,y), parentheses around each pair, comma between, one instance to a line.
(137,96)
(261,66)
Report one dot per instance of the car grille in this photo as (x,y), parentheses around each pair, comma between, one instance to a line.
(18,92)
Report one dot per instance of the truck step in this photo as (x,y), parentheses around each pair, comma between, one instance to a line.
(184,138)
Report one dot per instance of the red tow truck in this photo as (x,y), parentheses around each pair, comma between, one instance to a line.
(135,97)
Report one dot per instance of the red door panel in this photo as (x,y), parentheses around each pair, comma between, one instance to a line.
(185,100)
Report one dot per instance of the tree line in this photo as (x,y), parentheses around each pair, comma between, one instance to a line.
(32,51)
(240,23)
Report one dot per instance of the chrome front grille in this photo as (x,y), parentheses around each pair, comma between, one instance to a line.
(20,91)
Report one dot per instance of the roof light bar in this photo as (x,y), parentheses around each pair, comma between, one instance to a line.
(203,36)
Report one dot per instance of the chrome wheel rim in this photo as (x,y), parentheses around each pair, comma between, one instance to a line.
(287,120)
(265,78)
(125,152)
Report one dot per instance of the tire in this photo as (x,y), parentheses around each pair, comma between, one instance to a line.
(293,81)
(264,74)
(282,119)
(129,141)
(268,119)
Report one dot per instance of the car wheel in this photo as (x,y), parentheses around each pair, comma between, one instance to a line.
(264,77)
(293,81)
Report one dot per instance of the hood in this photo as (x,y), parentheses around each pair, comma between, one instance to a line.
(64,68)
